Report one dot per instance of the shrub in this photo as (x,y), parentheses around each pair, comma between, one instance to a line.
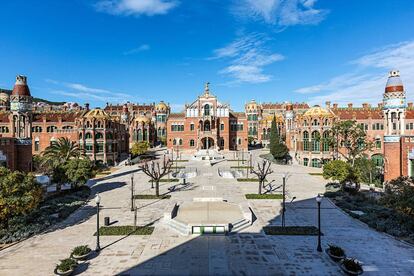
(399,195)
(81,250)
(125,230)
(66,265)
(264,196)
(352,265)
(291,230)
(336,170)
(336,250)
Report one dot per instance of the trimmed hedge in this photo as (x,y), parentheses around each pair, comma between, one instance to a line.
(291,230)
(264,196)
(319,174)
(241,160)
(167,180)
(248,180)
(183,160)
(241,167)
(152,197)
(124,230)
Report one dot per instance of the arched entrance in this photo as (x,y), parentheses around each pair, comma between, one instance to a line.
(207,143)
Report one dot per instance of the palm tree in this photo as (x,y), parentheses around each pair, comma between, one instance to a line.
(58,154)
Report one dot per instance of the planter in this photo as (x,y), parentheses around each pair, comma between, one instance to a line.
(81,257)
(66,273)
(348,272)
(333,257)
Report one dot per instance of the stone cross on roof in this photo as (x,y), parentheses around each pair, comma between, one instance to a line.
(207,89)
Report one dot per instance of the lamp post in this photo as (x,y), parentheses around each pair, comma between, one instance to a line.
(319,200)
(97,201)
(132,193)
(284,200)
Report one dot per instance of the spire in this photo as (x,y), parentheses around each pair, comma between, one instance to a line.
(207,89)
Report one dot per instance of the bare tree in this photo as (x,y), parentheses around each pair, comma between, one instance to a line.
(262,172)
(157,170)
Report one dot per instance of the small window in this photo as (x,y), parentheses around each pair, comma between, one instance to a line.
(191,143)
(192,127)
(221,127)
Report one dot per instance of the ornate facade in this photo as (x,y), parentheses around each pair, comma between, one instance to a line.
(107,134)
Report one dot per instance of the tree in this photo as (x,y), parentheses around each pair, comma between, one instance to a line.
(262,172)
(336,170)
(351,137)
(370,172)
(78,171)
(19,194)
(60,151)
(156,172)
(399,195)
(139,148)
(278,149)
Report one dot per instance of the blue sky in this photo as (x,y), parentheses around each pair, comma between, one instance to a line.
(100,51)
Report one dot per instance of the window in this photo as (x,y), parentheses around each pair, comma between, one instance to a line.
(222,142)
(305,123)
(315,139)
(99,148)
(221,126)
(36,145)
(315,163)
(98,136)
(180,141)
(174,142)
(35,129)
(315,123)
(239,141)
(325,145)
(394,126)
(80,136)
(378,143)
(191,143)
(88,135)
(177,127)
(207,110)
(51,129)
(305,161)
(89,148)
(207,126)
(192,127)
(305,141)
(409,126)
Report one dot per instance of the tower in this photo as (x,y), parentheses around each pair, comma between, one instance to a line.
(21,109)
(125,114)
(394,104)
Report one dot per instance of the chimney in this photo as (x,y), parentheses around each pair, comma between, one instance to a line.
(365,105)
(350,105)
(410,105)
(86,106)
(335,106)
(328,104)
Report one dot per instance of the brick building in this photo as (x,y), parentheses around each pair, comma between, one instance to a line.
(207,124)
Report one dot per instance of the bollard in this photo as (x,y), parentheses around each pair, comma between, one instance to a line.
(106,221)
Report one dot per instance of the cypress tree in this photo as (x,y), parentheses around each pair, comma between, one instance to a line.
(277,148)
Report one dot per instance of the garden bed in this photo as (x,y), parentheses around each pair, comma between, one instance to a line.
(264,196)
(318,174)
(52,210)
(374,214)
(241,160)
(247,179)
(152,197)
(183,160)
(291,230)
(168,180)
(241,167)
(124,230)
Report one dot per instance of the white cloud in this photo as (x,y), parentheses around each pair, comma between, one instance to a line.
(367,81)
(86,93)
(281,12)
(141,48)
(136,7)
(248,56)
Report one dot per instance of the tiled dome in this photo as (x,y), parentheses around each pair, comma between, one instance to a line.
(318,111)
(394,83)
(97,113)
(161,106)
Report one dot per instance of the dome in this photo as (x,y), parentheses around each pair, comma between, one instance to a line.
(161,106)
(394,83)
(142,119)
(269,118)
(97,113)
(4,97)
(252,105)
(318,111)
(20,87)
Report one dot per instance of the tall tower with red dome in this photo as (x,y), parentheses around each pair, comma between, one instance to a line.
(394,104)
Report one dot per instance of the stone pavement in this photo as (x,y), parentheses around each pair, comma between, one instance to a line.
(250,252)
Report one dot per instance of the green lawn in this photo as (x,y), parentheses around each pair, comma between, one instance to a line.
(264,196)
(124,230)
(152,197)
(291,230)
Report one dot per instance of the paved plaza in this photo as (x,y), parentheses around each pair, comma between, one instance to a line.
(248,252)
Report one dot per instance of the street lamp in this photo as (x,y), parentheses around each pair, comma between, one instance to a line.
(319,200)
(132,192)
(97,201)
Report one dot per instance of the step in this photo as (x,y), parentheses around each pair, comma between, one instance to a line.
(240,225)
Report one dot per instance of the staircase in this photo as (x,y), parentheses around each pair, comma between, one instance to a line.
(239,225)
(178,226)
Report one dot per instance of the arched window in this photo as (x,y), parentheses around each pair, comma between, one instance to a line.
(264,134)
(305,141)
(315,139)
(51,129)
(315,122)
(378,143)
(325,144)
(239,141)
(80,136)
(109,136)
(88,135)
(305,123)
(98,135)
(180,142)
(174,142)
(191,143)
(316,163)
(207,126)
(139,134)
(207,110)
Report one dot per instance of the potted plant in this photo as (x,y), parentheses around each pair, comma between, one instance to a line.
(81,252)
(351,266)
(66,267)
(335,252)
